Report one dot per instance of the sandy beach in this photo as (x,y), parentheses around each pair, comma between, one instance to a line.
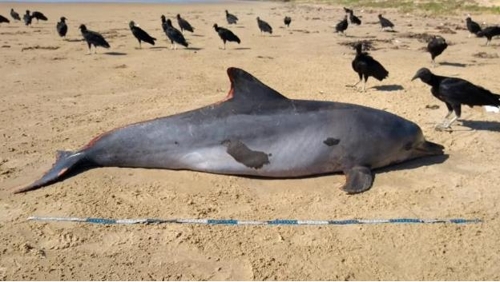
(56,97)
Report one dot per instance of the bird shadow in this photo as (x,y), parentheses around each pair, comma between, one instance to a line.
(353,36)
(450,64)
(482,125)
(159,47)
(388,88)
(197,35)
(299,30)
(242,48)
(194,48)
(390,30)
(74,40)
(115,53)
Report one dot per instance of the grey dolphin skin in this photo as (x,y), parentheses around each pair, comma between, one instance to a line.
(256,131)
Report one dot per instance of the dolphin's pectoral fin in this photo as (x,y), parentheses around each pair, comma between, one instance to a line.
(359,179)
(66,162)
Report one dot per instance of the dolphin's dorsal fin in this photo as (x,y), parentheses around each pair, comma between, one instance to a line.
(245,88)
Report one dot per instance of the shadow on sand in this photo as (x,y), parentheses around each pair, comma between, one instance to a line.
(416,163)
(411,164)
(482,125)
(159,47)
(388,88)
(115,53)
(450,64)
(74,40)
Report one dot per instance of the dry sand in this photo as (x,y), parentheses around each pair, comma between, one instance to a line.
(54,96)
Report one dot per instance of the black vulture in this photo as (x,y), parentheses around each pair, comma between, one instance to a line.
(353,18)
(14,15)
(164,23)
(61,27)
(174,35)
(38,16)
(93,38)
(140,34)
(231,19)
(436,46)
(287,21)
(183,24)
(367,66)
(27,18)
(472,26)
(226,35)
(264,26)
(455,92)
(342,25)
(489,32)
(385,23)
(4,19)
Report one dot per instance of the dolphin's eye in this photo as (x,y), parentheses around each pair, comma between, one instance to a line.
(408,146)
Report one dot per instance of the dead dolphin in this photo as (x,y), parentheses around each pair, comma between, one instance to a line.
(256,131)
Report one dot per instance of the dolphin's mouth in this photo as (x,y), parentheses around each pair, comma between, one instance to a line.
(427,148)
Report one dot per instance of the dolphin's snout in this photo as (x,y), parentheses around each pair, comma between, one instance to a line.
(427,148)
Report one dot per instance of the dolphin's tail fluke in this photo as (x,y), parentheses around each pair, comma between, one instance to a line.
(67,164)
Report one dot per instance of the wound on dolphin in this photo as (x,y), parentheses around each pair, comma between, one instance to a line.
(242,154)
(331,141)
